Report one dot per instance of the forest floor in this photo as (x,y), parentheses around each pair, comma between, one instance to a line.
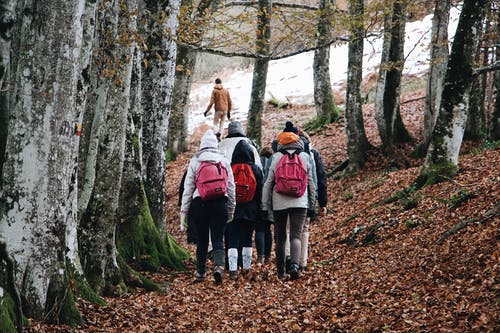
(372,268)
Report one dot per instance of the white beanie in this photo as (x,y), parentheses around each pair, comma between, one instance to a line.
(209,140)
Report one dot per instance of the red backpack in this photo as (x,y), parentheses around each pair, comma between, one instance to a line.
(211,180)
(291,175)
(245,182)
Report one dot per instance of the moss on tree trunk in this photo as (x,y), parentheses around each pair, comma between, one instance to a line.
(140,242)
(7,314)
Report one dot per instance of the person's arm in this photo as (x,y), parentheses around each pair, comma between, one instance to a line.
(311,184)
(189,186)
(229,103)
(269,184)
(212,101)
(322,180)
(231,188)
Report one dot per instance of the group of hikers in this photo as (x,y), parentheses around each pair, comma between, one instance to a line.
(229,191)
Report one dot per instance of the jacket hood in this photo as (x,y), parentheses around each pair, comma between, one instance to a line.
(243,153)
(218,86)
(294,145)
(209,154)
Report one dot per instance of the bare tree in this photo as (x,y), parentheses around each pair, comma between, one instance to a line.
(357,143)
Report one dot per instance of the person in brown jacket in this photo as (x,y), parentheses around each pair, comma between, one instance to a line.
(222,104)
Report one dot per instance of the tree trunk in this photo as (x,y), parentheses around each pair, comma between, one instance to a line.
(185,65)
(38,192)
(494,132)
(387,101)
(357,143)
(179,116)
(98,224)
(7,21)
(158,84)
(442,156)
(256,108)
(474,126)
(437,68)
(323,98)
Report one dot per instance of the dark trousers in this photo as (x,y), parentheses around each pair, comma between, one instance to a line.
(297,217)
(263,238)
(209,216)
(239,233)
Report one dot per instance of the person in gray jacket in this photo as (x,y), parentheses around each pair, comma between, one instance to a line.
(287,207)
(235,134)
(208,216)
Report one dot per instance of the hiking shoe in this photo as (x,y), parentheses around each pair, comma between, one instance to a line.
(281,275)
(233,275)
(260,259)
(294,272)
(288,262)
(218,272)
(200,276)
(247,273)
(267,259)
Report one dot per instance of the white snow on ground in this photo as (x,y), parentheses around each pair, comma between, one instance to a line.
(292,77)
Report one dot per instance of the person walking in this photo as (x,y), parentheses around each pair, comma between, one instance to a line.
(248,181)
(263,234)
(322,197)
(209,196)
(236,134)
(221,101)
(291,186)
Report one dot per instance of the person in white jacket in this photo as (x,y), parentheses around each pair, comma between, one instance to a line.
(288,208)
(210,215)
(235,134)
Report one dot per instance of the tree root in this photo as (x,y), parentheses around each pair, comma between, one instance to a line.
(495,211)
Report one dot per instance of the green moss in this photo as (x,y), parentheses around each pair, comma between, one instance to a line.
(69,312)
(437,173)
(321,120)
(81,287)
(7,315)
(139,241)
(171,155)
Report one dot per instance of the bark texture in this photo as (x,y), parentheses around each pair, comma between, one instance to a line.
(158,81)
(323,98)
(98,224)
(442,156)
(494,131)
(256,108)
(387,101)
(437,69)
(357,143)
(38,194)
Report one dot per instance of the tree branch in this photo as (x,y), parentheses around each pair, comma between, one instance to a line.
(277,4)
(481,70)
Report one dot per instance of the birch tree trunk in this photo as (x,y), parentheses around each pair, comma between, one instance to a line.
(158,82)
(357,143)
(442,156)
(37,197)
(387,101)
(98,224)
(323,98)
(259,81)
(437,69)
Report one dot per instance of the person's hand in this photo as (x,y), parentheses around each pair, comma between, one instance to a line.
(205,113)
(230,217)
(322,211)
(228,115)
(183,224)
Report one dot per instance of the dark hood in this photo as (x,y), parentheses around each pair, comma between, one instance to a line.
(243,153)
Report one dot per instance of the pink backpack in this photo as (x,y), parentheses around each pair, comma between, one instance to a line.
(211,180)
(291,175)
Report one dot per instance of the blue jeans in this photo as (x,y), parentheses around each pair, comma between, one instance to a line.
(263,238)
(209,216)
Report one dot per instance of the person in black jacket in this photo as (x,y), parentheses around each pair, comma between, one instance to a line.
(322,197)
(240,230)
(263,234)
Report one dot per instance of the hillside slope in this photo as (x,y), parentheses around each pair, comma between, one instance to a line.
(373,267)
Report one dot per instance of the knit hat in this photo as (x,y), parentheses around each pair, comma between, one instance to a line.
(209,140)
(235,128)
(290,128)
(285,138)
